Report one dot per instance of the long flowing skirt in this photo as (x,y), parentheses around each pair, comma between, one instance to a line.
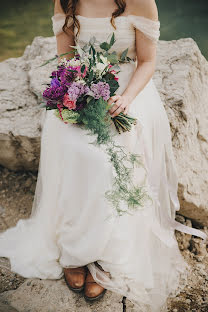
(72,224)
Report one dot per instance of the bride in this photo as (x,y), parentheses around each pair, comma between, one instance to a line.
(69,232)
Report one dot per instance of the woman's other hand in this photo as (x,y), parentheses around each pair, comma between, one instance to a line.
(121,104)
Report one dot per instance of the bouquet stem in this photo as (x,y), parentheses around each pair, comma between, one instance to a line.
(123,122)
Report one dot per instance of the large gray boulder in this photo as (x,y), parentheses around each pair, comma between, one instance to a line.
(182,80)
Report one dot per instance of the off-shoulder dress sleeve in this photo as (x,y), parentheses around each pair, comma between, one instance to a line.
(149,27)
(58,21)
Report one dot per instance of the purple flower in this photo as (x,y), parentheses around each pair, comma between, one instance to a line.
(55,82)
(76,89)
(64,75)
(67,75)
(100,89)
(55,93)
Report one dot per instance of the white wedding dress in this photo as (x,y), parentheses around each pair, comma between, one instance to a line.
(72,224)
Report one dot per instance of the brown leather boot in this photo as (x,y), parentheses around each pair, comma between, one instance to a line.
(75,278)
(92,290)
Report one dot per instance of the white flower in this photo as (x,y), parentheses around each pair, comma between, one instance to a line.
(100,67)
(85,61)
(64,62)
(80,80)
(104,60)
(74,62)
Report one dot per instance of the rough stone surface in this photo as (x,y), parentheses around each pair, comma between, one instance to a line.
(21,117)
(54,296)
(8,279)
(181,78)
(6,308)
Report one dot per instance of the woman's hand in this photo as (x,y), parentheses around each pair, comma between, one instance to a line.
(122,103)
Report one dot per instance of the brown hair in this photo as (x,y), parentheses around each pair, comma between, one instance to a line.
(69,7)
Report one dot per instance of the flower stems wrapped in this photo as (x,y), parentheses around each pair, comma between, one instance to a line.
(123,122)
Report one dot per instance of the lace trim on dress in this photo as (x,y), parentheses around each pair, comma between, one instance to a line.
(58,21)
(149,27)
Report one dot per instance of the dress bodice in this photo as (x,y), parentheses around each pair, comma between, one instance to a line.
(102,29)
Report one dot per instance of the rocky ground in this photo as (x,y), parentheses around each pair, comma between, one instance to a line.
(35,295)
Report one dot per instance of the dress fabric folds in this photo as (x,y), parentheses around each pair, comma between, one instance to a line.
(72,224)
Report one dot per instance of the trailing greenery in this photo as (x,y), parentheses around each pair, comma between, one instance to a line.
(98,122)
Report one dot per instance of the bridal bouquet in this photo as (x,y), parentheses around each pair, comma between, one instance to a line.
(78,93)
(87,81)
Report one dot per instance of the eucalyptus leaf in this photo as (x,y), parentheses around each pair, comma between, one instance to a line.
(105,46)
(112,58)
(112,40)
(124,54)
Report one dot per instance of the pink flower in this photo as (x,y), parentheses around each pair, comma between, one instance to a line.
(114,73)
(60,107)
(79,73)
(70,104)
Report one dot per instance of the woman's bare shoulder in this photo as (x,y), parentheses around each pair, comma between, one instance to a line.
(146,8)
(58,7)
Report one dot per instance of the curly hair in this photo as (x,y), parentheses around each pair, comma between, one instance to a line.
(69,7)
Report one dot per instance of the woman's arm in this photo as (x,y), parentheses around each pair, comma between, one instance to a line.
(63,40)
(146,59)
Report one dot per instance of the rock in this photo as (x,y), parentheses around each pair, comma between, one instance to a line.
(198,248)
(183,239)
(2,210)
(181,77)
(6,308)
(16,197)
(8,279)
(54,295)
(180,219)
(21,117)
